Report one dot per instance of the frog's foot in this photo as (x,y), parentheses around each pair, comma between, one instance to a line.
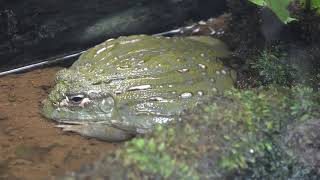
(99,131)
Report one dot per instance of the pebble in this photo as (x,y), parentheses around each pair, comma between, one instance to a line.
(12,98)
(3,117)
(20,162)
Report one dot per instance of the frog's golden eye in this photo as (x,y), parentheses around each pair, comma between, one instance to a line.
(76,99)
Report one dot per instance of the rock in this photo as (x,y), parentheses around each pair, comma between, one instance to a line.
(303,139)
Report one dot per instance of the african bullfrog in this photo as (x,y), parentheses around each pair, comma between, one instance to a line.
(125,86)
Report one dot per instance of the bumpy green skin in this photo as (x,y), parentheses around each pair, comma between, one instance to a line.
(132,83)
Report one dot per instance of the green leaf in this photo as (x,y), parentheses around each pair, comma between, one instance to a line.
(151,145)
(161,147)
(315,4)
(139,143)
(279,7)
(259,2)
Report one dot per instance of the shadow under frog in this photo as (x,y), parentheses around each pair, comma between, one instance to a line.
(124,87)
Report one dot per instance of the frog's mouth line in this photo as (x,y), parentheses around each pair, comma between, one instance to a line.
(66,122)
(68,125)
(75,126)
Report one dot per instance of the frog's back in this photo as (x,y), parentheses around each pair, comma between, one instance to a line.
(155,78)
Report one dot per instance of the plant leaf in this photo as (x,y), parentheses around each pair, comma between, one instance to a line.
(279,7)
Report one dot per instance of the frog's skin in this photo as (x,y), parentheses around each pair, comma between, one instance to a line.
(125,86)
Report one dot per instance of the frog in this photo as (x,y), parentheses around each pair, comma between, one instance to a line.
(126,86)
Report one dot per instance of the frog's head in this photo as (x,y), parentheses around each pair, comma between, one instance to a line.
(76,100)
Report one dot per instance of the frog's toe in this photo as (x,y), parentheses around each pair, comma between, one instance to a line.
(105,133)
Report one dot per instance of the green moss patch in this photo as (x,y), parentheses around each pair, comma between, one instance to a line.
(252,134)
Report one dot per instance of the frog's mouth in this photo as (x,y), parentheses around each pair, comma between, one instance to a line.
(65,123)
(74,126)
(100,130)
(70,125)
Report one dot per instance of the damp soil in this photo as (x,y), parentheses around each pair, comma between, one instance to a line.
(31,147)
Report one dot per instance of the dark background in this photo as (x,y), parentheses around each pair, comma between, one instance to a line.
(33,30)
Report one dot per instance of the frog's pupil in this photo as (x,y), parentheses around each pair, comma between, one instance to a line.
(76,99)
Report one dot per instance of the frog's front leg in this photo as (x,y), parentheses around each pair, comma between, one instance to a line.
(100,131)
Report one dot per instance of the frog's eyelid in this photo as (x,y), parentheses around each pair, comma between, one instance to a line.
(93,91)
(70,96)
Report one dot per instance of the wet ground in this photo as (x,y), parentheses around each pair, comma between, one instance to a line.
(30,146)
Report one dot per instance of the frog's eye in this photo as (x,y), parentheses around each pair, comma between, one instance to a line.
(76,99)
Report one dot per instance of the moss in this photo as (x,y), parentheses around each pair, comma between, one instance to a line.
(147,156)
(240,134)
(262,128)
(286,65)
(272,67)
